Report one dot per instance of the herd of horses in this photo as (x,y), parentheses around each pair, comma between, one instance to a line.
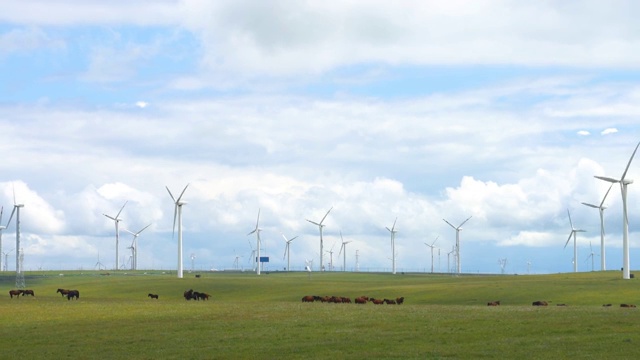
(195,295)
(358,300)
(17,293)
(546,303)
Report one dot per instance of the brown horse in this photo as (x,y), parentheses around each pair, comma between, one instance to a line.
(361,300)
(73,294)
(153,296)
(63,292)
(400,300)
(15,292)
(308,298)
(28,292)
(540,303)
(493,303)
(627,305)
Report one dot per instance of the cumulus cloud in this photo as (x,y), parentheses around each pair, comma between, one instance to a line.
(609,131)
(584,133)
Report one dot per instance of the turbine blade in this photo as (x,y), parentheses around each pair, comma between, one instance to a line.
(464,222)
(569,239)
(591,205)
(434,241)
(170,194)
(605,195)
(629,163)
(1,211)
(605,178)
(11,217)
(258,220)
(449,224)
(325,215)
(394,224)
(175,215)
(570,222)
(293,238)
(125,203)
(313,222)
(182,193)
(110,217)
(138,233)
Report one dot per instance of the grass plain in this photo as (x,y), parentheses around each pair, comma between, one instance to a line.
(262,317)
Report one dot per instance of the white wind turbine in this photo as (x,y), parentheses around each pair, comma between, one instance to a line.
(601,208)
(177,215)
(575,244)
(432,246)
(344,256)
(393,232)
(457,247)
(99,265)
(16,210)
(330,252)
(320,226)
(6,258)
(257,232)
(626,274)
(134,247)
(252,257)
(591,255)
(117,220)
(2,227)
(287,249)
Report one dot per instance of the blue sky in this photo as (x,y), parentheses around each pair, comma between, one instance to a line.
(420,110)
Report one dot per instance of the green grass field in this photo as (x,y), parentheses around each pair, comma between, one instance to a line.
(262,317)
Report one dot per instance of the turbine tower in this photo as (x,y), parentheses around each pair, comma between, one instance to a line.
(287,250)
(626,274)
(177,215)
(320,226)
(344,256)
(134,247)
(432,246)
(16,211)
(575,245)
(601,208)
(457,247)
(257,232)
(117,220)
(591,256)
(2,227)
(393,232)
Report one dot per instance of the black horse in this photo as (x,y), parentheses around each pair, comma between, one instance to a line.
(73,294)
(13,293)
(153,296)
(28,292)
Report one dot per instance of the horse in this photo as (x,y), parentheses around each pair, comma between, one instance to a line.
(15,292)
(493,303)
(361,300)
(308,298)
(203,296)
(539,303)
(73,294)
(63,292)
(153,296)
(400,300)
(376,301)
(28,292)
(627,305)
(389,302)
(190,294)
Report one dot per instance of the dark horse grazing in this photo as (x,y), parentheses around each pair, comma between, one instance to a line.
(15,292)
(153,296)
(28,292)
(493,303)
(188,295)
(540,303)
(73,293)
(63,292)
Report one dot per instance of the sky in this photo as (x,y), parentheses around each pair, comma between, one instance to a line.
(502,111)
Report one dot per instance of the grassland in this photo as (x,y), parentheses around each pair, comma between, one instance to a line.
(251,317)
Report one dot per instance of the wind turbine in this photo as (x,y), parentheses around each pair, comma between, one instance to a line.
(590,255)
(575,245)
(257,232)
(6,258)
(453,250)
(331,257)
(393,232)
(2,227)
(99,265)
(457,248)
(253,255)
(16,210)
(287,249)
(320,226)
(626,274)
(117,220)
(177,215)
(344,256)
(432,246)
(134,247)
(503,264)
(601,208)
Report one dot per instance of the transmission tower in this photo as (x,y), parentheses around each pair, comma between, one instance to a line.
(19,273)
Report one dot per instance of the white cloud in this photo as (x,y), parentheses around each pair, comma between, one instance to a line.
(584,133)
(609,131)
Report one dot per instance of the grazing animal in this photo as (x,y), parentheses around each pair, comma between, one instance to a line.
(28,292)
(376,301)
(400,300)
(153,296)
(202,296)
(606,305)
(493,303)
(308,298)
(73,294)
(627,305)
(188,295)
(389,302)
(361,300)
(63,292)
(15,292)
(540,303)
